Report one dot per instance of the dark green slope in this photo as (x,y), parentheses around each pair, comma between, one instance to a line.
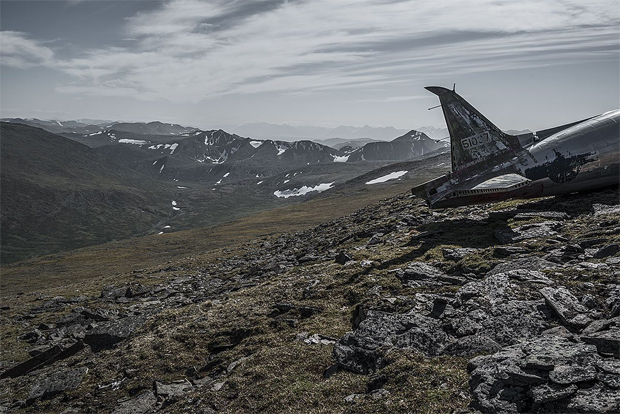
(57,194)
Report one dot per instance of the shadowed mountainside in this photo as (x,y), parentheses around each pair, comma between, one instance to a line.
(58,194)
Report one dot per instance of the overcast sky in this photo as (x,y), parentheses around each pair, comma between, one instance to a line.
(524,64)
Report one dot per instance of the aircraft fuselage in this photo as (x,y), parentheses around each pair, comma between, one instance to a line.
(489,165)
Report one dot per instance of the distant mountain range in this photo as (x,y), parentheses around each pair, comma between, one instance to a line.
(88,126)
(288,132)
(172,151)
(261,130)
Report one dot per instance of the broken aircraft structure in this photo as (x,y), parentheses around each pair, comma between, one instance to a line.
(489,165)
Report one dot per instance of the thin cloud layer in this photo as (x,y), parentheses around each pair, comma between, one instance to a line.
(188,50)
(17,50)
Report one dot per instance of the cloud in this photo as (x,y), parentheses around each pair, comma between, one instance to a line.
(188,50)
(20,52)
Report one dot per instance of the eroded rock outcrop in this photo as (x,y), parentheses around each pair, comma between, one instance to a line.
(549,373)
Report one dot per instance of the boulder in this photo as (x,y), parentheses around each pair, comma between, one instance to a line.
(57,382)
(548,373)
(609,250)
(343,258)
(607,342)
(527,231)
(361,351)
(106,334)
(566,306)
(142,404)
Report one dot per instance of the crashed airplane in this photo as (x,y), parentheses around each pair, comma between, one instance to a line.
(489,165)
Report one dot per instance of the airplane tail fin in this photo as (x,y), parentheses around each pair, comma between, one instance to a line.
(475,141)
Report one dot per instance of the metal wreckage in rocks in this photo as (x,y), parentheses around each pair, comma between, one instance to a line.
(490,165)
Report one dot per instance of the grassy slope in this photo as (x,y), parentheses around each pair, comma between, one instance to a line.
(58,194)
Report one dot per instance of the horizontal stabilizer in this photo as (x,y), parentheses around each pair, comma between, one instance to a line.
(503,182)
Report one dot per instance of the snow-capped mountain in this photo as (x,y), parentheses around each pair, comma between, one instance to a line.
(174,152)
(410,145)
(434,132)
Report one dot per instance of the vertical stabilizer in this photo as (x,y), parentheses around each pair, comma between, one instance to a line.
(474,139)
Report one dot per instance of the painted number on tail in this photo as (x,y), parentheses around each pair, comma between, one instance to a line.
(477,145)
(475,140)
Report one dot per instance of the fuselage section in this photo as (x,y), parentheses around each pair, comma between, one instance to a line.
(582,157)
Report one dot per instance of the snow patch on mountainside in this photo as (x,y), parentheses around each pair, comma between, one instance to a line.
(296,192)
(131,141)
(391,176)
(281,149)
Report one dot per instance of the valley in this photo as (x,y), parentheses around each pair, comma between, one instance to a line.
(125,180)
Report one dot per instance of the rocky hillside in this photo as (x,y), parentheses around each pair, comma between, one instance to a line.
(508,307)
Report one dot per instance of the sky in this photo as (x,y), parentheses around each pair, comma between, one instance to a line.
(219,64)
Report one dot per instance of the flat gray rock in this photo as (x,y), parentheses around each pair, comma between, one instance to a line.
(551,392)
(421,271)
(523,263)
(602,209)
(142,404)
(566,306)
(57,382)
(555,215)
(607,342)
(571,374)
(109,333)
(176,389)
(595,400)
(527,231)
(457,254)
